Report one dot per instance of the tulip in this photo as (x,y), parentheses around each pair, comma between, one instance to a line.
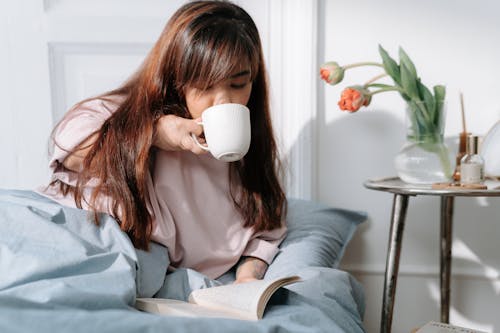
(353,98)
(331,73)
(425,104)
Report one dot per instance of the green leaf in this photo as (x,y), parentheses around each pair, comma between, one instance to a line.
(418,122)
(412,114)
(426,96)
(405,60)
(390,65)
(403,94)
(424,128)
(409,82)
(439,96)
(405,97)
(422,109)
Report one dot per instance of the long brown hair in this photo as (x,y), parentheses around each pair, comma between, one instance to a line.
(201,45)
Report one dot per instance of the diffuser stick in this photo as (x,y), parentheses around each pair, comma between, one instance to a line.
(463,138)
(462,108)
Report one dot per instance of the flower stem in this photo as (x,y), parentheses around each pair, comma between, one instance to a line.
(375,78)
(359,64)
(445,161)
(385,89)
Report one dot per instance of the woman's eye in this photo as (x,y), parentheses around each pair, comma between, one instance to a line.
(239,85)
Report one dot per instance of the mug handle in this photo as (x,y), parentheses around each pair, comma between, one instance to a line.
(196,140)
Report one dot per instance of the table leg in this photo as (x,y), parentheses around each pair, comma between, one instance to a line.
(398,216)
(446,241)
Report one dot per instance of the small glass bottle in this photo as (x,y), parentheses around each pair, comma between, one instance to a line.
(472,164)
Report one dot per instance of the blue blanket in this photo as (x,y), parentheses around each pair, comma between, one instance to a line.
(60,272)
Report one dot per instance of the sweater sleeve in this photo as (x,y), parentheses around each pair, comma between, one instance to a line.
(264,245)
(78,124)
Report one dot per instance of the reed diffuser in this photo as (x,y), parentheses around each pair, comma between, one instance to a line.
(462,141)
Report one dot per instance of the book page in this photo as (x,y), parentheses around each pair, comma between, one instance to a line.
(240,298)
(271,289)
(179,308)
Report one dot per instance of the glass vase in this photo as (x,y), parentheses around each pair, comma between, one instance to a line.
(424,157)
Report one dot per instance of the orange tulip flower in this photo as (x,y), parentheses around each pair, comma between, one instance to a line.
(353,98)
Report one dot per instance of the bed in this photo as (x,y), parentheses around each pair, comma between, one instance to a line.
(59,274)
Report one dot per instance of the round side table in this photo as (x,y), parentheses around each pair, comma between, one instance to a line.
(402,191)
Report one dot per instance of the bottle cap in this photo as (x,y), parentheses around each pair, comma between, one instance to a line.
(472,144)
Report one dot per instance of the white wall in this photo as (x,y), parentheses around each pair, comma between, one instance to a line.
(455,43)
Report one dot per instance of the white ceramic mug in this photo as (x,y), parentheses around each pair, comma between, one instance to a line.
(227,131)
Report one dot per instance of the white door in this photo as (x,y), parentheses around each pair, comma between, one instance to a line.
(55,53)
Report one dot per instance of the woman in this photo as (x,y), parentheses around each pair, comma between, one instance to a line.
(129,152)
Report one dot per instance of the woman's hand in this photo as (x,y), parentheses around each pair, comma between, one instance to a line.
(250,269)
(174,133)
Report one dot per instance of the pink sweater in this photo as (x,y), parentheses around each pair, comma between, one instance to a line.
(193,213)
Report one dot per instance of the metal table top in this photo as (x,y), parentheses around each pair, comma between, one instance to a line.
(397,186)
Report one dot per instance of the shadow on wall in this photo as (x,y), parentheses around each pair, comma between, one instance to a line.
(362,144)
(350,150)
(476,230)
(357,147)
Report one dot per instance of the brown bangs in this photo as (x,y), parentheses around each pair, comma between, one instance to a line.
(225,49)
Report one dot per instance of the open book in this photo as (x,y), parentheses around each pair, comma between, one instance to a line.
(240,301)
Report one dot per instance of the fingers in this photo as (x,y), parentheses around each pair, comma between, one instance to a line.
(188,143)
(194,126)
(174,134)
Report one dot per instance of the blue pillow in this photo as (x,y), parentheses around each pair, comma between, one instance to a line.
(317,237)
